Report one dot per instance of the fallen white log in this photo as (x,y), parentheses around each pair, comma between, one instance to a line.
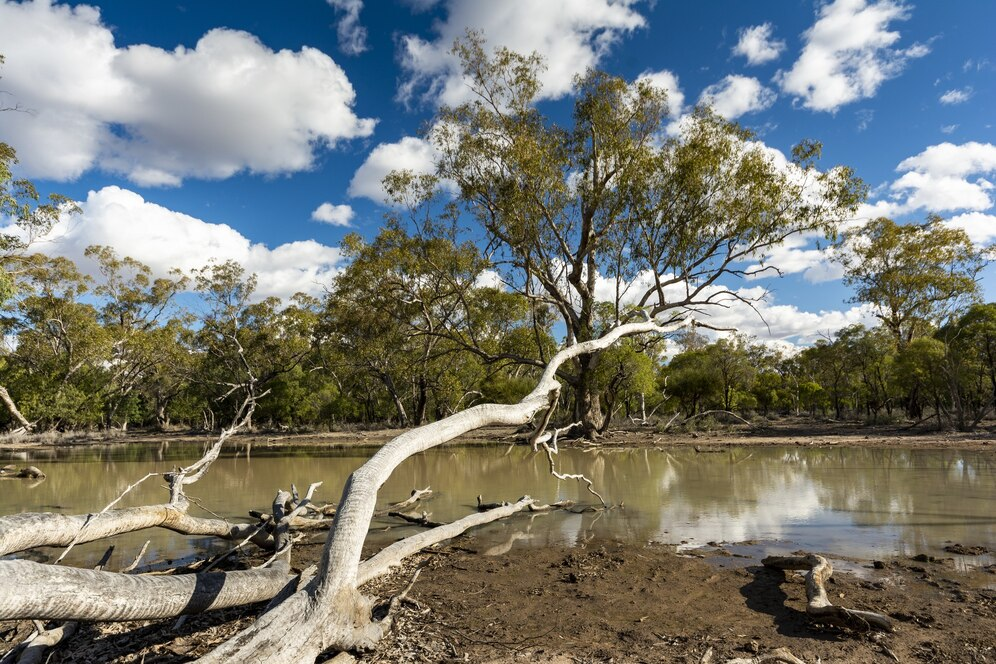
(818,604)
(331,612)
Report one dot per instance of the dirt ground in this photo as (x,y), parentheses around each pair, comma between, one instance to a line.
(614,602)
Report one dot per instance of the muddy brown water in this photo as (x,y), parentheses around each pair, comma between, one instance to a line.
(865,503)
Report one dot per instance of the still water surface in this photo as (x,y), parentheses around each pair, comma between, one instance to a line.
(841,501)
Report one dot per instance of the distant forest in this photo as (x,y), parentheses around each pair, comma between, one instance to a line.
(118,350)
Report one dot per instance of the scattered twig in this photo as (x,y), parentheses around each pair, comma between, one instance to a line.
(134,563)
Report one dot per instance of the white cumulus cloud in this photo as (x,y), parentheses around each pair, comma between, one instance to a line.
(668,81)
(950,159)
(981,228)
(351,33)
(227,105)
(944,178)
(849,52)
(736,95)
(335,215)
(410,153)
(757,46)
(957,96)
(165,239)
(572,35)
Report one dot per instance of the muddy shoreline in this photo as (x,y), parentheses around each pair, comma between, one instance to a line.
(787,431)
(608,601)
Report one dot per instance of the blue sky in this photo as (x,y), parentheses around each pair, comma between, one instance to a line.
(259,131)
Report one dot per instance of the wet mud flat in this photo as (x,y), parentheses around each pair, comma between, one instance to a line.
(613,602)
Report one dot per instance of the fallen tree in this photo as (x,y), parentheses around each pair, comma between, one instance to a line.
(309,617)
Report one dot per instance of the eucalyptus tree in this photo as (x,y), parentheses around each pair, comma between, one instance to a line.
(28,218)
(924,369)
(60,360)
(693,380)
(914,275)
(969,366)
(831,369)
(245,345)
(611,207)
(871,354)
(733,366)
(134,307)
(411,310)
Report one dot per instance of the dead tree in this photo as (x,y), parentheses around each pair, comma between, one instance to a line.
(329,612)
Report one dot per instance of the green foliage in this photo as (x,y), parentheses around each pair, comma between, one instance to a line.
(31,219)
(915,275)
(692,379)
(611,195)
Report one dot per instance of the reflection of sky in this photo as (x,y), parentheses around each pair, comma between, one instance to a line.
(866,503)
(788,501)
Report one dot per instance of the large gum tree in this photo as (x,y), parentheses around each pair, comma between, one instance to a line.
(621,204)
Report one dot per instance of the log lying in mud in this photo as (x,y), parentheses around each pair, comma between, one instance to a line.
(331,613)
(54,592)
(818,604)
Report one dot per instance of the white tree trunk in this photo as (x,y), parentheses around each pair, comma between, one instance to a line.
(331,612)
(19,532)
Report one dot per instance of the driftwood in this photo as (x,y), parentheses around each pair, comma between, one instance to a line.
(19,532)
(12,472)
(818,604)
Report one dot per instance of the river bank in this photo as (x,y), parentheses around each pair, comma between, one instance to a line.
(799,431)
(612,602)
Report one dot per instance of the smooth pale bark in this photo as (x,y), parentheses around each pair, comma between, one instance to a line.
(12,407)
(393,555)
(34,652)
(19,532)
(51,592)
(24,531)
(331,612)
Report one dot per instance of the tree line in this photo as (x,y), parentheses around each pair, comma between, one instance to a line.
(396,340)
